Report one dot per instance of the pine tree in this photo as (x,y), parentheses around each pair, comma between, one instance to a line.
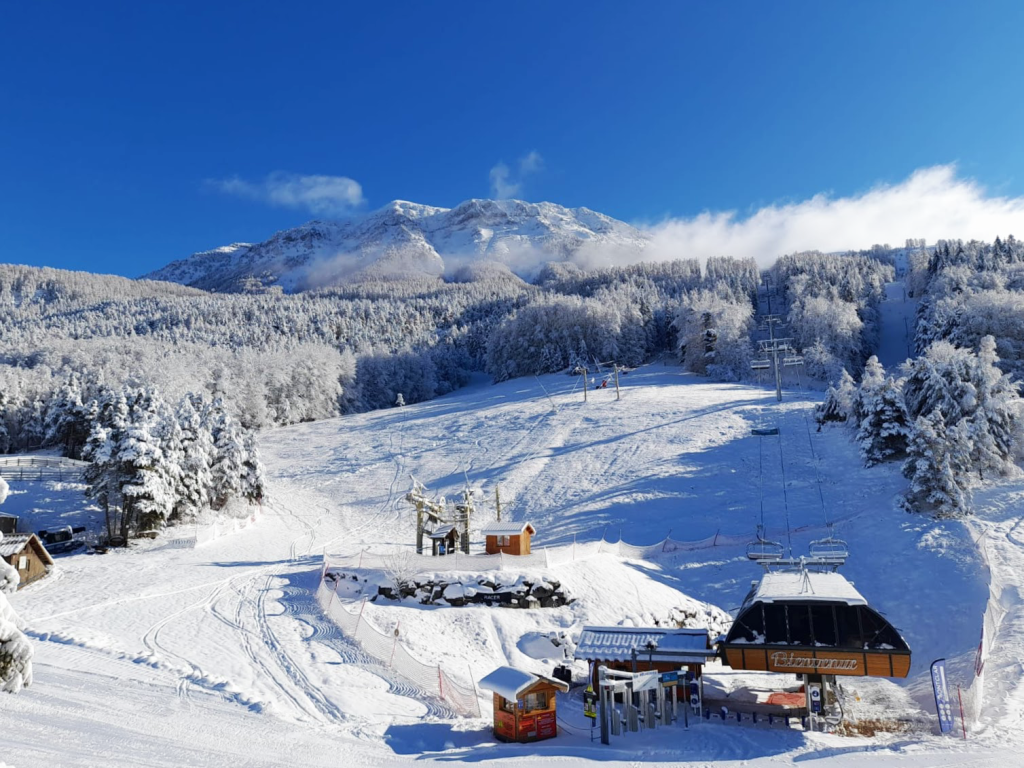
(252,481)
(228,455)
(196,479)
(884,428)
(937,461)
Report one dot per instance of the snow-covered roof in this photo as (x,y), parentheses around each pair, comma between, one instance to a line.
(14,543)
(617,643)
(806,585)
(511,683)
(441,532)
(507,528)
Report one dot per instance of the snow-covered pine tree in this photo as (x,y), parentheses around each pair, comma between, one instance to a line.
(252,480)
(15,651)
(884,428)
(871,382)
(196,479)
(228,455)
(5,437)
(145,482)
(995,426)
(103,476)
(937,462)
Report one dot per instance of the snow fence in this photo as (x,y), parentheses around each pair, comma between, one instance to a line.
(387,648)
(974,693)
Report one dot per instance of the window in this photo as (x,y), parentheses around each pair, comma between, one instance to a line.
(509,705)
(536,701)
(23,563)
(504,541)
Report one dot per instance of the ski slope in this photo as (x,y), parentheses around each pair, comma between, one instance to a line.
(218,655)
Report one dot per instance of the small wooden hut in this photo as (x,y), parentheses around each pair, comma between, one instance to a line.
(444,540)
(524,704)
(27,555)
(508,538)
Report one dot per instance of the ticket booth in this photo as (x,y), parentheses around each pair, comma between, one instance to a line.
(524,704)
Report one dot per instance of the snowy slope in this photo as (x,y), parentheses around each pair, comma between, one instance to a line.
(407,238)
(218,655)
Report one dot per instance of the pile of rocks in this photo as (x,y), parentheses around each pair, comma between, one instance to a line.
(517,592)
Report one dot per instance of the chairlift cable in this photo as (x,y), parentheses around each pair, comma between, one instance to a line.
(817,476)
(760,478)
(785,497)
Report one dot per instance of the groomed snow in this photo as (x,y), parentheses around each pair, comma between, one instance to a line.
(218,655)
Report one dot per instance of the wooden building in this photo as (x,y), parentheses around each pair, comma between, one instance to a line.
(663,649)
(8,524)
(508,538)
(27,555)
(444,540)
(524,704)
(806,622)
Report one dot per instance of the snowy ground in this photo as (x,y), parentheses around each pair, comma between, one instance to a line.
(218,655)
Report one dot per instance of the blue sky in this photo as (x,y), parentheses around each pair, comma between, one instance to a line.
(132,134)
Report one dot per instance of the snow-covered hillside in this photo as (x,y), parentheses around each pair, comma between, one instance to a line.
(219,655)
(408,238)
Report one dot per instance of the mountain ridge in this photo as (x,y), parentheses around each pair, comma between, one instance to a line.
(403,238)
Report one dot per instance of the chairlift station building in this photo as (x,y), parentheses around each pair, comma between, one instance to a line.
(809,622)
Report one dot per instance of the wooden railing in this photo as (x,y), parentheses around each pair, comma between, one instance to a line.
(40,468)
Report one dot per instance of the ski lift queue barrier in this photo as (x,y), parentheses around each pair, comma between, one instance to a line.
(386,648)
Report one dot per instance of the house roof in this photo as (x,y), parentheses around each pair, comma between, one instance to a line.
(777,586)
(507,528)
(617,644)
(442,532)
(15,543)
(511,683)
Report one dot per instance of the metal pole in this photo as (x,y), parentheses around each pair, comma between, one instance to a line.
(617,397)
(775,360)
(963,723)
(603,699)
(585,374)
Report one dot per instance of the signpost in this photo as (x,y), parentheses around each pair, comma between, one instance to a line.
(942,704)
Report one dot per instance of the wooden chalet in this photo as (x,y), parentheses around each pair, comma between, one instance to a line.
(524,704)
(808,622)
(508,538)
(27,555)
(663,649)
(444,540)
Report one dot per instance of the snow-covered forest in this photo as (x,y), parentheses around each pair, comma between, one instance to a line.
(952,414)
(140,377)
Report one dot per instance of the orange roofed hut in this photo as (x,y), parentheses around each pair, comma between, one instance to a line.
(508,538)
(524,704)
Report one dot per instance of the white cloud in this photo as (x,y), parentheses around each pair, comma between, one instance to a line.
(503,186)
(934,203)
(321,195)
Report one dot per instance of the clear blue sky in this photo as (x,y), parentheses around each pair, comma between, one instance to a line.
(114,116)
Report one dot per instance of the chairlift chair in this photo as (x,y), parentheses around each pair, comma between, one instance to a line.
(829,551)
(763,550)
(760,365)
(790,360)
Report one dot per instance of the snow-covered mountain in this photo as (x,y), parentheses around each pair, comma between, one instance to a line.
(408,238)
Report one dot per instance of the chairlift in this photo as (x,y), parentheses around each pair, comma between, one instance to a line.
(764,431)
(790,360)
(760,365)
(763,550)
(830,550)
